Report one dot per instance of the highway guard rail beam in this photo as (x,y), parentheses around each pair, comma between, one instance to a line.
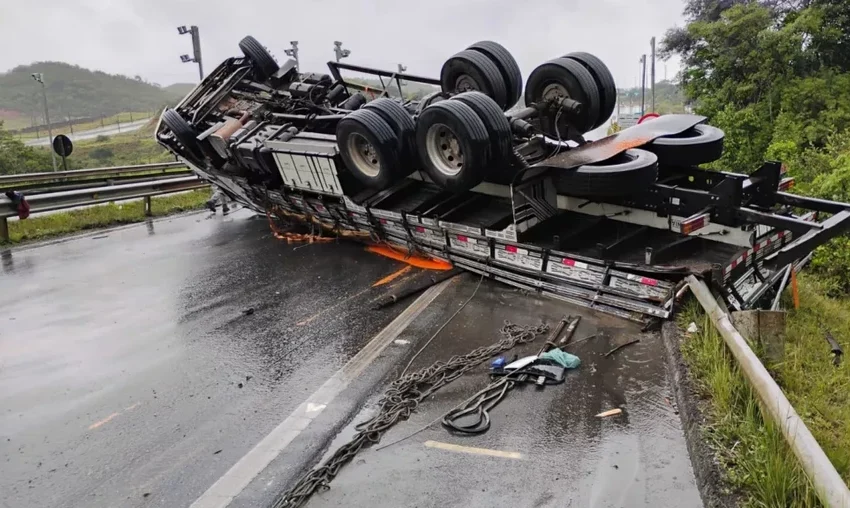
(40,203)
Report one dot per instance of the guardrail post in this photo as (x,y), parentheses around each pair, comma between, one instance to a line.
(4,229)
(148,211)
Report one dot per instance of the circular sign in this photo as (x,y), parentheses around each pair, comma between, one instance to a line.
(62,145)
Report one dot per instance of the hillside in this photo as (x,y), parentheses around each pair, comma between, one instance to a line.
(76,92)
(179,90)
(669,97)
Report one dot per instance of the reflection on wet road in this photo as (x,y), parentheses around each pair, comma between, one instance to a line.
(133,373)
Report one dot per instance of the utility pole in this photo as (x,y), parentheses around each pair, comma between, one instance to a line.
(340,53)
(40,78)
(652,72)
(293,52)
(196,48)
(643,84)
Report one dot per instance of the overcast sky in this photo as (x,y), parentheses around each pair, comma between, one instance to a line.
(139,36)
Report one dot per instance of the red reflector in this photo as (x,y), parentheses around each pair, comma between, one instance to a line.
(510,248)
(648,281)
(569,262)
(351,214)
(462,238)
(786,184)
(692,225)
(420,229)
(383,221)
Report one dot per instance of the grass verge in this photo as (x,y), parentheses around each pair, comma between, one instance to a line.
(752,454)
(47,226)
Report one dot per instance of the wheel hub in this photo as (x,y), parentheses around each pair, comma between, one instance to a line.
(555,92)
(466,83)
(364,155)
(444,149)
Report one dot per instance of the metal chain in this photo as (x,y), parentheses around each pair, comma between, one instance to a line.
(398,402)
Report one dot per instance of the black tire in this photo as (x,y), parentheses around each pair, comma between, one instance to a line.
(401,123)
(378,168)
(578,84)
(604,83)
(446,120)
(471,70)
(629,172)
(498,129)
(183,132)
(507,67)
(700,144)
(264,62)
(429,99)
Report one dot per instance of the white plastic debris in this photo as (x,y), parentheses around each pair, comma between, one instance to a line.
(692,328)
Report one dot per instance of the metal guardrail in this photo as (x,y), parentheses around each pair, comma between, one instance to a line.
(95,194)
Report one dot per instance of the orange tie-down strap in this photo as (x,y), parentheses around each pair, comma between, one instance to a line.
(633,137)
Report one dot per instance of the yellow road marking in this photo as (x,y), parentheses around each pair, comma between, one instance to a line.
(475,451)
(105,420)
(393,276)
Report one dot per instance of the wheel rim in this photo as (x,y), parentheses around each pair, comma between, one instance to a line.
(465,83)
(554,92)
(444,149)
(363,155)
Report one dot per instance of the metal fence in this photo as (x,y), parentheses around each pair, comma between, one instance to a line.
(47,192)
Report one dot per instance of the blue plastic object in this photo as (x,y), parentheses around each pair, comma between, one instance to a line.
(562,358)
(498,363)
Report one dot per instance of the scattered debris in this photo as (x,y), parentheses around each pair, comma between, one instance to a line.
(692,328)
(562,358)
(610,412)
(216,452)
(835,348)
(401,342)
(146,494)
(99,237)
(240,385)
(621,346)
(249,311)
(248,377)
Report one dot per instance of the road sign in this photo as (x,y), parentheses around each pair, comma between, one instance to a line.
(62,145)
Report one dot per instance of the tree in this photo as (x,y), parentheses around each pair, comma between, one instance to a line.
(16,157)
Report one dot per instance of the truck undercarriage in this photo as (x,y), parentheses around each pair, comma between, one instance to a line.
(514,193)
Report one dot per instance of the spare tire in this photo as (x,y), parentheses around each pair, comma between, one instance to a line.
(401,123)
(626,173)
(369,148)
(499,130)
(604,82)
(183,133)
(453,145)
(471,70)
(264,63)
(507,67)
(560,78)
(700,144)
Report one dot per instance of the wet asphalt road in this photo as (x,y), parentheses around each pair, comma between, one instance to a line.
(551,449)
(131,376)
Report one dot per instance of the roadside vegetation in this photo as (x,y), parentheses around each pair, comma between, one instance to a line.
(40,227)
(775,76)
(752,454)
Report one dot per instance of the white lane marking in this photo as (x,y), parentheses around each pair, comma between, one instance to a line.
(234,481)
(475,451)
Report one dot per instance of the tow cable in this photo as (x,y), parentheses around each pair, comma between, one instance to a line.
(398,402)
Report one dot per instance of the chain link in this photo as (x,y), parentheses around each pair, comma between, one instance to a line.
(398,402)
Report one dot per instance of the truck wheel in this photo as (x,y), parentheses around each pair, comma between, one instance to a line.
(183,132)
(369,148)
(402,125)
(429,99)
(498,130)
(604,83)
(564,78)
(700,144)
(453,145)
(626,173)
(263,61)
(471,70)
(507,66)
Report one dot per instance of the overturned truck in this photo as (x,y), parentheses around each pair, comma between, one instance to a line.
(513,192)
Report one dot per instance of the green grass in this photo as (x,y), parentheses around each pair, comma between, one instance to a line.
(751,451)
(47,226)
(109,121)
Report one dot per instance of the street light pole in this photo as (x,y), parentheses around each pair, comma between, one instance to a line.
(339,52)
(652,73)
(40,78)
(196,48)
(643,84)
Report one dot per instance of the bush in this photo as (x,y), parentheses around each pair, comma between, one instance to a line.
(102,154)
(102,138)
